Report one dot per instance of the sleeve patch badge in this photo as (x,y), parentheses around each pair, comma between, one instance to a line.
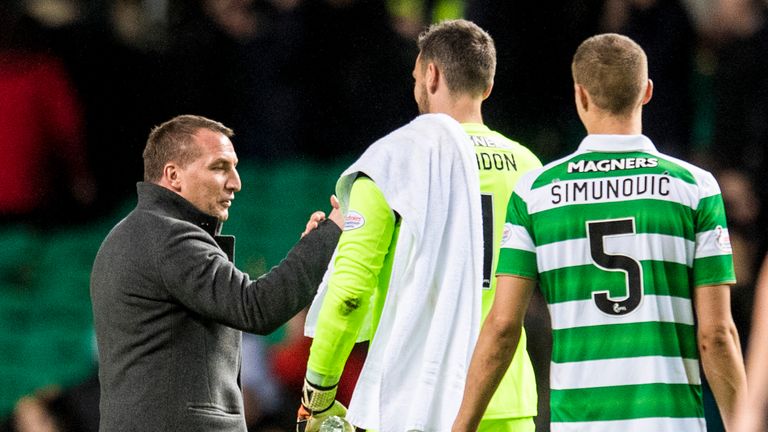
(723,239)
(353,220)
(506,235)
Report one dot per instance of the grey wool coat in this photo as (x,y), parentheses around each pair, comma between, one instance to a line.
(169,306)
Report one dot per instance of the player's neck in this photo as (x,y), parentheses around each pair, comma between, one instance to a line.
(463,110)
(613,125)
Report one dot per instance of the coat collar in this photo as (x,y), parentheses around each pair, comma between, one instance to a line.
(155,197)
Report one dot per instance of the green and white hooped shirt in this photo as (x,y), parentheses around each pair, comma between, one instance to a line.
(619,236)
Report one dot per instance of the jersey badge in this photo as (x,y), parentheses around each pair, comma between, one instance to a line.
(506,235)
(353,220)
(723,239)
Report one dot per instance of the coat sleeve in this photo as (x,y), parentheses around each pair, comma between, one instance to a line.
(198,274)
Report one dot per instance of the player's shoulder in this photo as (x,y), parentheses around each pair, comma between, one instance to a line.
(520,151)
(695,174)
(525,184)
(694,170)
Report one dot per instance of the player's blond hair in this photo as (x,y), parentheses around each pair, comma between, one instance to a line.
(465,53)
(614,71)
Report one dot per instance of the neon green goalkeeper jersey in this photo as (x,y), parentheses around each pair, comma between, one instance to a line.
(619,236)
(364,262)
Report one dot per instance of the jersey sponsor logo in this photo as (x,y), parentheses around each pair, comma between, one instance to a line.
(353,220)
(723,239)
(609,188)
(585,166)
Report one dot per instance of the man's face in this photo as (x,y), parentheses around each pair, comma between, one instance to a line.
(210,181)
(420,87)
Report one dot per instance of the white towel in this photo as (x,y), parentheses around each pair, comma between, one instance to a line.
(414,374)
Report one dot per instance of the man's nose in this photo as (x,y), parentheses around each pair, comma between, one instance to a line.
(233,183)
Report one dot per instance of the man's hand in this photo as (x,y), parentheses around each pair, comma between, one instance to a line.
(319,216)
(336,214)
(317,404)
(306,422)
(314,221)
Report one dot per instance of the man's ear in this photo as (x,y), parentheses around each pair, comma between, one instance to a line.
(487,91)
(172,176)
(648,92)
(433,78)
(581,96)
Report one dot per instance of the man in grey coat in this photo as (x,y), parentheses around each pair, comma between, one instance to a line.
(169,305)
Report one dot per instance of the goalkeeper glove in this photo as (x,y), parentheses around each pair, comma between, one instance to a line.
(317,404)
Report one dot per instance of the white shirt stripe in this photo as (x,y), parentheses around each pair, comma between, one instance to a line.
(713,243)
(561,193)
(653,308)
(624,371)
(641,247)
(656,424)
(517,237)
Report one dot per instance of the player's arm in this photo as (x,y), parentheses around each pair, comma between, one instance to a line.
(751,411)
(361,252)
(713,274)
(495,348)
(719,348)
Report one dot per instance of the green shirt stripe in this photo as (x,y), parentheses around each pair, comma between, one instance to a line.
(713,270)
(711,213)
(611,403)
(524,260)
(651,217)
(624,340)
(660,278)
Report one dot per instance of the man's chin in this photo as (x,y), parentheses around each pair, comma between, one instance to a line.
(221,215)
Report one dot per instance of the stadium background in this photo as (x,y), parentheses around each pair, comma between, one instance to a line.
(307,85)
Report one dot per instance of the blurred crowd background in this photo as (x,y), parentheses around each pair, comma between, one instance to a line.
(307,85)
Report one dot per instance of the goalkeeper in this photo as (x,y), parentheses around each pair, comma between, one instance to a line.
(368,297)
